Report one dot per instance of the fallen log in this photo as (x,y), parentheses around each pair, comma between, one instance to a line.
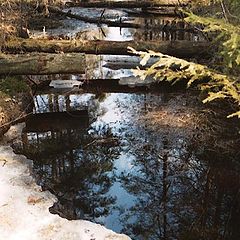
(42,63)
(124,4)
(119,23)
(175,48)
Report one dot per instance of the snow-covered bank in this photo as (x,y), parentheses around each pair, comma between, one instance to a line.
(24,207)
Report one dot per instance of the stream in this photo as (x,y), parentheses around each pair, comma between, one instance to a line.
(150,163)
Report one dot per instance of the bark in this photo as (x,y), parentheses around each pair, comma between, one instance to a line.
(173,48)
(110,23)
(37,64)
(124,4)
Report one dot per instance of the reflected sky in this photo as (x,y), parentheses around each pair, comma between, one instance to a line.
(143,165)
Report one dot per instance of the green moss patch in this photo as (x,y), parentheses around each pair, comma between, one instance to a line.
(13,85)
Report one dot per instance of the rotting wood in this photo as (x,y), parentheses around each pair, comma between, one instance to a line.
(119,23)
(125,4)
(42,63)
(174,48)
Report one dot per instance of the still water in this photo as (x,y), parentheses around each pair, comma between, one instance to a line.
(150,165)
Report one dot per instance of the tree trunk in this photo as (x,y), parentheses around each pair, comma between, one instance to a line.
(124,4)
(174,48)
(38,64)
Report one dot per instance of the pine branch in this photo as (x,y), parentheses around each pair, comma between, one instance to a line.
(172,69)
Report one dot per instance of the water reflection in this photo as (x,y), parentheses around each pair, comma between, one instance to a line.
(149,27)
(141,164)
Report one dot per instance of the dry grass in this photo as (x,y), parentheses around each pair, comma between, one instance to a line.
(14,15)
(10,19)
(205,126)
(164,117)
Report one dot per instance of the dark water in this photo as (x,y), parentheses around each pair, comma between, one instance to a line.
(151,165)
(151,27)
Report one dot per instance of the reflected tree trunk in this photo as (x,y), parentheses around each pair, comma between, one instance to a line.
(50,102)
(165,188)
(56,103)
(205,200)
(67,103)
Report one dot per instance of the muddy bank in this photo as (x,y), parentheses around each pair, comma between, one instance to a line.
(9,111)
(22,202)
(15,101)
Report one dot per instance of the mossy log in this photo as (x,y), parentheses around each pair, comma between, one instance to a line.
(125,4)
(42,63)
(174,48)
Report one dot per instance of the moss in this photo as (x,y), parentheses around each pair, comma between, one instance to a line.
(13,86)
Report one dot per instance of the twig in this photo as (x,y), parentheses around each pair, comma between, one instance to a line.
(102,14)
(4,205)
(20,117)
(4,162)
(89,144)
(224,10)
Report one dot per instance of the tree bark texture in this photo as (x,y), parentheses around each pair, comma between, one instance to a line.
(184,49)
(42,63)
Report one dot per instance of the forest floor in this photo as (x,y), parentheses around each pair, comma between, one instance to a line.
(9,110)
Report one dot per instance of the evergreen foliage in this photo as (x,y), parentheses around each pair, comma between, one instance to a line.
(228,39)
(221,23)
(172,69)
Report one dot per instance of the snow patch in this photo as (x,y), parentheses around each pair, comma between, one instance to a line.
(24,206)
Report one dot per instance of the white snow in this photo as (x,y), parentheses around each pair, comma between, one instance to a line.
(24,206)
